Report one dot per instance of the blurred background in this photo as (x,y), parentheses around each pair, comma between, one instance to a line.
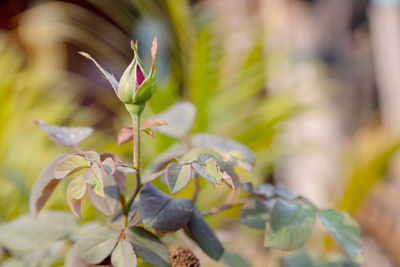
(311,86)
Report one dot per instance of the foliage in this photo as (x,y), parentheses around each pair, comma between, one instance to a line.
(148,213)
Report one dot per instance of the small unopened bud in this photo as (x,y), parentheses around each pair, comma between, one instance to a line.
(135,85)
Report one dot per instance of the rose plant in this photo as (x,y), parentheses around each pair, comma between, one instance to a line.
(137,220)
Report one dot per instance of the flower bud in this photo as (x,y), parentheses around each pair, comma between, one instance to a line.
(135,85)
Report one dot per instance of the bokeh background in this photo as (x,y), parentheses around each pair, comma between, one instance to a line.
(311,86)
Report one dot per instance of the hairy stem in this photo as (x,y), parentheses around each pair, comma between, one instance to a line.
(136,160)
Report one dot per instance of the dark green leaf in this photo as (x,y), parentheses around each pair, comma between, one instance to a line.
(148,247)
(28,233)
(290,225)
(109,202)
(179,118)
(123,255)
(345,230)
(256,212)
(205,237)
(97,244)
(177,176)
(65,136)
(44,186)
(162,212)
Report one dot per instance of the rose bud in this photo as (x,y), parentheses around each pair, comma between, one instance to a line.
(135,86)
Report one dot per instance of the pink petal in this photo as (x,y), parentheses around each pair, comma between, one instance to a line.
(139,75)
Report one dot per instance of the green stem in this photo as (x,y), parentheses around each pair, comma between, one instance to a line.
(136,160)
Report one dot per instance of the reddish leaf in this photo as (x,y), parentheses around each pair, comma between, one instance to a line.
(125,135)
(92,156)
(44,186)
(75,191)
(109,202)
(148,123)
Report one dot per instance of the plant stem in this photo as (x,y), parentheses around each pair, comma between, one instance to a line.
(227,205)
(136,160)
(196,189)
(221,208)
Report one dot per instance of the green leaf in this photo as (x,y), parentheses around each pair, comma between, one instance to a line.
(256,212)
(28,233)
(68,165)
(298,259)
(209,170)
(266,190)
(345,230)
(290,225)
(94,176)
(177,176)
(162,212)
(215,170)
(75,191)
(148,247)
(44,186)
(107,204)
(222,145)
(175,150)
(107,75)
(65,136)
(285,193)
(123,255)
(179,118)
(97,244)
(236,158)
(205,237)
(234,259)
